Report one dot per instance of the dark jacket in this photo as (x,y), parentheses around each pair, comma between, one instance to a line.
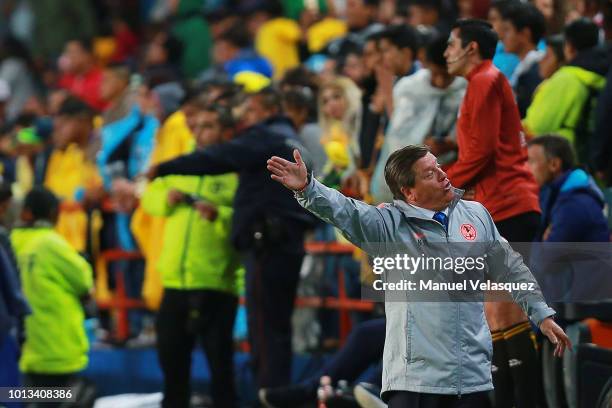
(572,210)
(370,124)
(5,243)
(7,168)
(601,145)
(13,306)
(526,84)
(572,261)
(259,199)
(596,59)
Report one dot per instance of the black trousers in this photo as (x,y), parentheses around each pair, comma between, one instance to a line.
(407,399)
(520,228)
(272,276)
(184,317)
(48,381)
(520,385)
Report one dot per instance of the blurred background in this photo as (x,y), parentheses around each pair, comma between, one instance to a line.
(95,93)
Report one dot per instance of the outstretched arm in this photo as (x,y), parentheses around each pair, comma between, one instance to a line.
(361,223)
(232,156)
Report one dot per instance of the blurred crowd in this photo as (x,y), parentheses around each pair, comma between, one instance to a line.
(97,96)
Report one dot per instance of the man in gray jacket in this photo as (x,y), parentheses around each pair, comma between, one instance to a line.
(436,353)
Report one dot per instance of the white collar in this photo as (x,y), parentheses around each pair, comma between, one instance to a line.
(532,57)
(426,212)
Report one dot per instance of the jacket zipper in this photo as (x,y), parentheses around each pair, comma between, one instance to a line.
(188,237)
(460,351)
(460,354)
(457,334)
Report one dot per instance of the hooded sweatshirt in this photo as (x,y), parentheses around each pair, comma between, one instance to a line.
(572,210)
(525,79)
(558,102)
(54,277)
(570,264)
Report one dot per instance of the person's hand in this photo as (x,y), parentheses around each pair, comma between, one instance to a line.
(377,103)
(356,185)
(350,185)
(384,79)
(123,193)
(207,211)
(6,145)
(151,173)
(556,335)
(93,196)
(291,175)
(547,232)
(175,197)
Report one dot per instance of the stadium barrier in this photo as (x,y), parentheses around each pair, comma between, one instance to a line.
(119,303)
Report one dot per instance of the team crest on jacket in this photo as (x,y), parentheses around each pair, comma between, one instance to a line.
(468,231)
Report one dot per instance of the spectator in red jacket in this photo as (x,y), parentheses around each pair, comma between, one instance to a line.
(80,74)
(492,167)
(125,39)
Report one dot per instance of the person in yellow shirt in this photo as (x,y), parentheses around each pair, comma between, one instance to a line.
(174,138)
(70,174)
(277,39)
(323,31)
(55,281)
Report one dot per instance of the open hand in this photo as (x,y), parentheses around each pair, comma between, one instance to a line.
(174,197)
(384,78)
(556,335)
(207,211)
(291,175)
(151,172)
(123,194)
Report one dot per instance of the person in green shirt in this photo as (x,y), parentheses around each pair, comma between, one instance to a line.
(198,266)
(565,103)
(55,280)
(191,29)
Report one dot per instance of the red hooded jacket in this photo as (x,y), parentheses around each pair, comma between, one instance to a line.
(492,147)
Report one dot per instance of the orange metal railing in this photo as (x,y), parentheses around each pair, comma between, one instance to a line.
(120,303)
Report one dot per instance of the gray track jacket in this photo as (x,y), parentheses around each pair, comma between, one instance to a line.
(432,347)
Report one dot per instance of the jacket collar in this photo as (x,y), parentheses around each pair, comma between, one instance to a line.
(530,61)
(413,68)
(275,120)
(576,180)
(412,212)
(483,66)
(595,59)
(40,224)
(559,180)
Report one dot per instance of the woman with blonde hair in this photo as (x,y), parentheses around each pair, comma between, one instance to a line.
(339,107)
